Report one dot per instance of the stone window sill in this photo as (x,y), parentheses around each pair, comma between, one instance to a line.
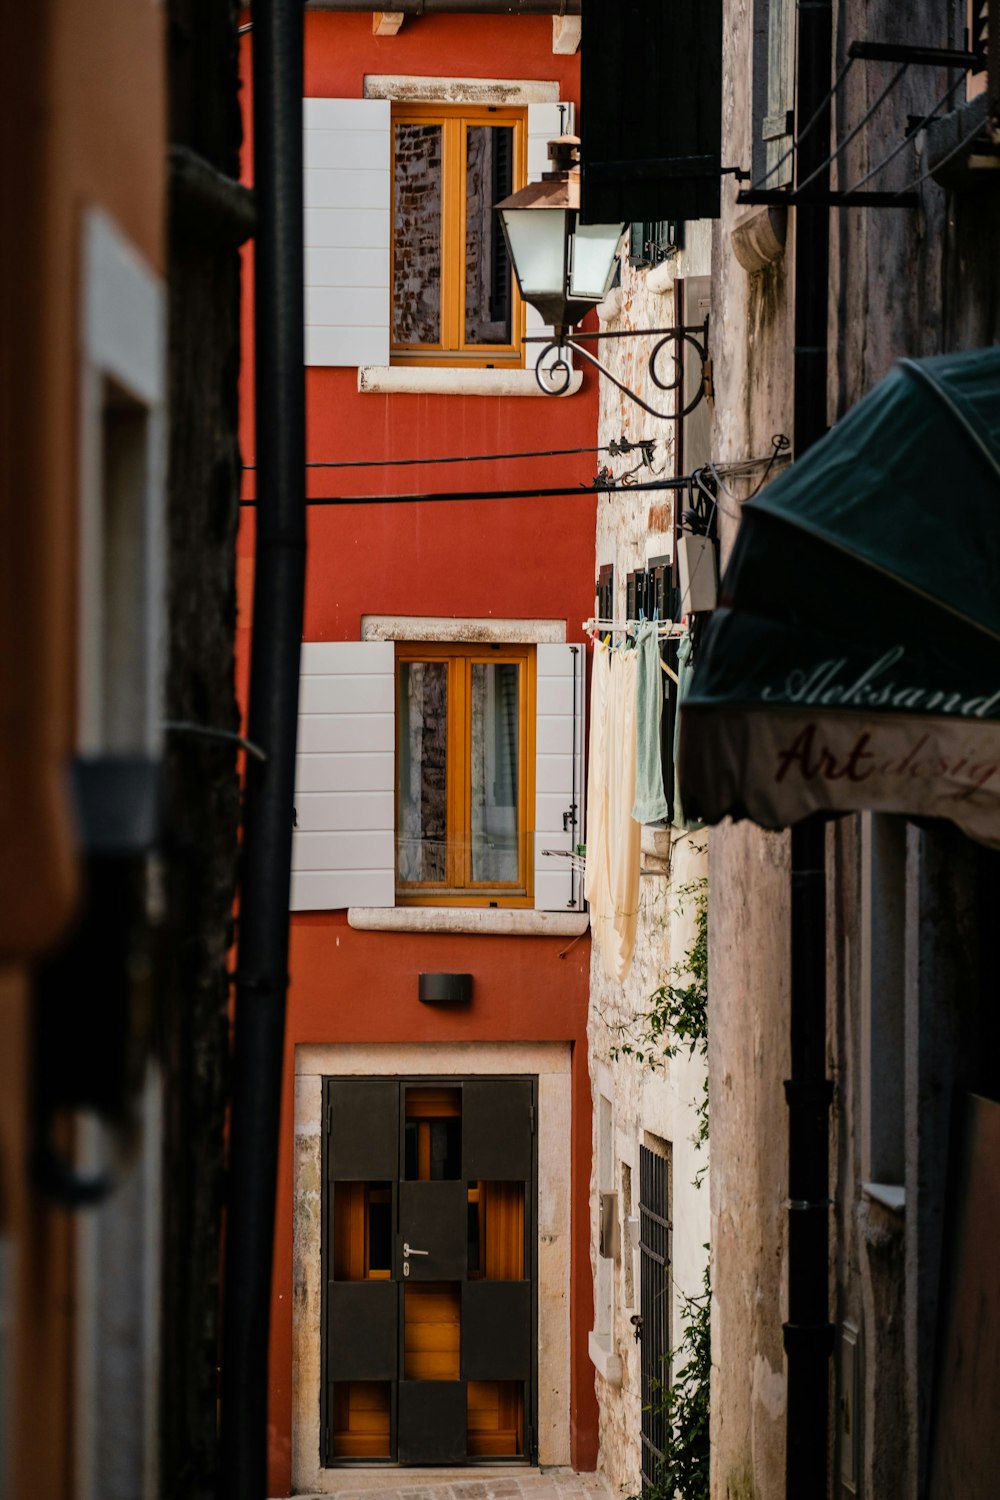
(489,920)
(442,380)
(607,1364)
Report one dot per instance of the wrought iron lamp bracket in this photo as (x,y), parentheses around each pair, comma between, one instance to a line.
(553,379)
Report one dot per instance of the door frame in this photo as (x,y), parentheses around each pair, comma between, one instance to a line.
(552,1064)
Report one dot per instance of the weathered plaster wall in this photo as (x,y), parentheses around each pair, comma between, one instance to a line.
(902,282)
(641,1102)
(748,875)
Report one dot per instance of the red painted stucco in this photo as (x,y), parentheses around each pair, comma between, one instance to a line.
(526,558)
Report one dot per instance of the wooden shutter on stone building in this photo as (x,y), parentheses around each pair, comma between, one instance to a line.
(651,110)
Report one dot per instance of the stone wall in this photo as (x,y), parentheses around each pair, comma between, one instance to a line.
(637,1104)
(896,289)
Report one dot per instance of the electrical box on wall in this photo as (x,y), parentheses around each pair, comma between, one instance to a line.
(607,1216)
(696,565)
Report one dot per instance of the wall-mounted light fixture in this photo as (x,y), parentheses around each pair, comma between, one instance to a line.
(564,268)
(445,989)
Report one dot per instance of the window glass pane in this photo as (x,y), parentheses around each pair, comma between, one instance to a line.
(422,834)
(489,177)
(496,1418)
(416,235)
(495,770)
(361,1420)
(432,1140)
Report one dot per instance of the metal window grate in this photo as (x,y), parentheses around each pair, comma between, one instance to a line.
(655,1253)
(653,241)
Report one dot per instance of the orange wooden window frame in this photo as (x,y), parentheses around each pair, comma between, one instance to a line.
(452,347)
(458,889)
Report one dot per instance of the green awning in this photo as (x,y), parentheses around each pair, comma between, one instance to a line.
(855,661)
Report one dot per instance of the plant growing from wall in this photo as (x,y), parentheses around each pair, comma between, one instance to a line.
(683,1471)
(677,1013)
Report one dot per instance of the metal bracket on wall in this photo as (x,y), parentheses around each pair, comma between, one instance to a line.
(554,379)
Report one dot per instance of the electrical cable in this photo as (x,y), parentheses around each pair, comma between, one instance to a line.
(965,141)
(462,458)
(801,137)
(848,138)
(681,482)
(442,495)
(914,130)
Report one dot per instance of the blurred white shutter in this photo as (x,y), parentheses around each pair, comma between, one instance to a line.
(343,846)
(545,122)
(348,197)
(559,720)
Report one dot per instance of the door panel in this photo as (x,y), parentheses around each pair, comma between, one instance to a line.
(432,1422)
(433,1217)
(496,1330)
(428,1358)
(496,1129)
(363,1129)
(362,1340)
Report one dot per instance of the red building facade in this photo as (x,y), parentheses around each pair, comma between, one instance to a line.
(441,735)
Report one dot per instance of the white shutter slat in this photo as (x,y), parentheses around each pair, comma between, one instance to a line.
(343,847)
(348,191)
(332,266)
(544,124)
(558,773)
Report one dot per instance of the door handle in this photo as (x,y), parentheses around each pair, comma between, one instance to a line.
(408,1250)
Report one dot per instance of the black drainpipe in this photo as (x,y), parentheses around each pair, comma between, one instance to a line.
(808,1333)
(262,979)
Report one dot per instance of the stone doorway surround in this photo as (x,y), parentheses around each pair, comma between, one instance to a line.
(467,1484)
(551,1063)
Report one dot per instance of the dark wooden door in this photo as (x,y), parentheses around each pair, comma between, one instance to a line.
(429,1315)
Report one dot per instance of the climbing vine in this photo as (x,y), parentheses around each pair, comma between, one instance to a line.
(683,1472)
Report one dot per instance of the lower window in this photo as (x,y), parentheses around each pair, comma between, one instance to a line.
(464,762)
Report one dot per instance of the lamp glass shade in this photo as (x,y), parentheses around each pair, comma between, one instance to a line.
(537,241)
(594,248)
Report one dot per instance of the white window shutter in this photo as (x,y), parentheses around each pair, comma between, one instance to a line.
(343,845)
(347,189)
(559,721)
(545,122)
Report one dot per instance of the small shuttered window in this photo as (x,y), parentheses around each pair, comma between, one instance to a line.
(652,242)
(774,91)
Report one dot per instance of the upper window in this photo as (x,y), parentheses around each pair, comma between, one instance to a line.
(464,764)
(773,91)
(453,295)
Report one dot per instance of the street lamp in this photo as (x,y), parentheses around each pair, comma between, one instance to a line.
(564,268)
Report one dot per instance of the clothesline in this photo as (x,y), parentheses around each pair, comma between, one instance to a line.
(664,628)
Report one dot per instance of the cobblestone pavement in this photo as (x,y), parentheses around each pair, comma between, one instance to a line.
(466,1484)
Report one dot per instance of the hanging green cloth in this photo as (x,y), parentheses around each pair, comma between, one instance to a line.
(650,804)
